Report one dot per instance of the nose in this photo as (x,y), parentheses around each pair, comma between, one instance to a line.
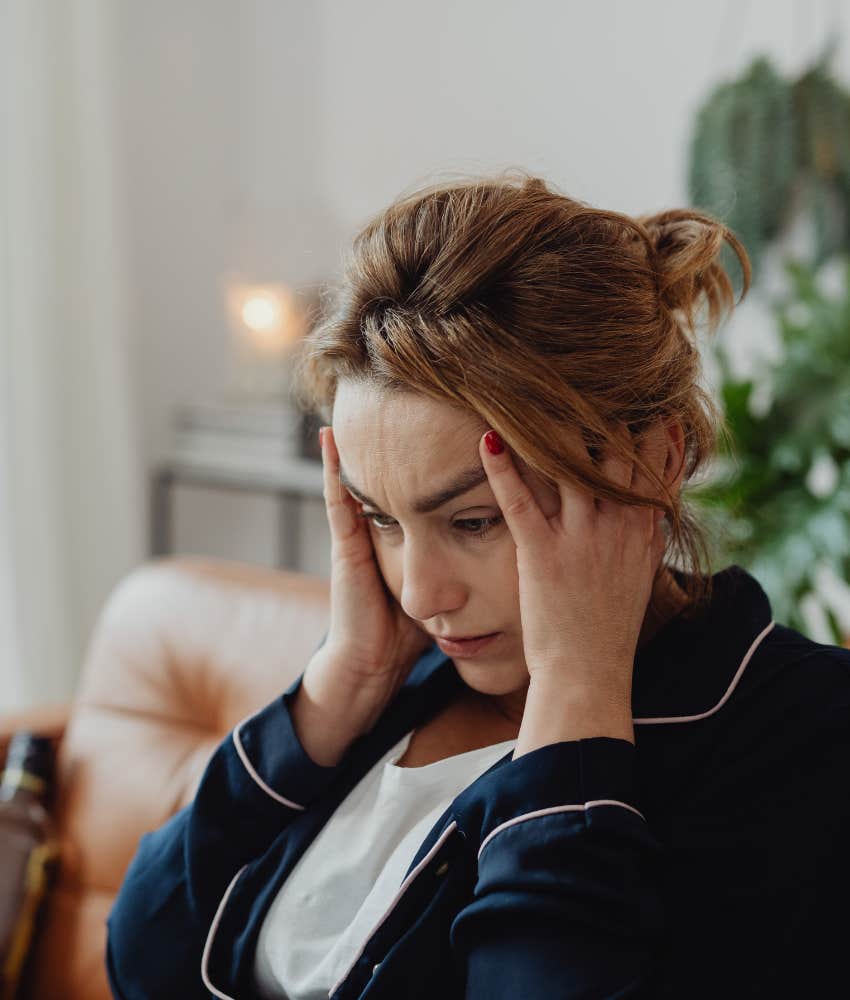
(430,584)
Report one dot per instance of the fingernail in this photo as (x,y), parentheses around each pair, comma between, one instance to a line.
(321,432)
(494,443)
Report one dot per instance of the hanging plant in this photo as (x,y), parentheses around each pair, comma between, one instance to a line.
(822,141)
(765,148)
(742,156)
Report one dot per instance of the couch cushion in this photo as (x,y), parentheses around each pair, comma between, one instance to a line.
(183,650)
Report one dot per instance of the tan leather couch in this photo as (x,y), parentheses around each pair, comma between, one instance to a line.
(182,651)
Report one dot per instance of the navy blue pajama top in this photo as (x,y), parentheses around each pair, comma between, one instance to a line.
(711,858)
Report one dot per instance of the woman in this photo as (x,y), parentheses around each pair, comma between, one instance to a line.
(531,758)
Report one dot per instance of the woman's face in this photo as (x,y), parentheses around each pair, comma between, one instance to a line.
(451,568)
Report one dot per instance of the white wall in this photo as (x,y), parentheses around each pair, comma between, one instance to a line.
(257,136)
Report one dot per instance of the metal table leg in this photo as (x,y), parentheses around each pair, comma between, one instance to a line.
(162,481)
(289,530)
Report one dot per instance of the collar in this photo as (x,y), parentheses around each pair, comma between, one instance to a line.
(689,669)
(686,671)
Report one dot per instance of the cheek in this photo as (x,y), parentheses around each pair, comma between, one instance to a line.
(389,563)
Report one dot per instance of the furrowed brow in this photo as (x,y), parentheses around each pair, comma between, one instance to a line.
(463,483)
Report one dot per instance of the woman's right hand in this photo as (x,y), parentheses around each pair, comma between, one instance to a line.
(372,644)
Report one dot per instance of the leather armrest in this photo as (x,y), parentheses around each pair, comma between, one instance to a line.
(46,720)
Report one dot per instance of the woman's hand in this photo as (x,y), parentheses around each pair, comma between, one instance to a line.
(585,581)
(372,644)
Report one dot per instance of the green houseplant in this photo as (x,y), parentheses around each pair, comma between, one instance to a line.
(779,497)
(767,153)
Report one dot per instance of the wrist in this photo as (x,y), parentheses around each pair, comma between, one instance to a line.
(555,712)
(345,702)
(327,715)
(593,696)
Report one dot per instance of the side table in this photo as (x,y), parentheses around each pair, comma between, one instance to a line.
(289,480)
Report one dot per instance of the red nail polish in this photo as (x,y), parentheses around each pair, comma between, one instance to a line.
(494,443)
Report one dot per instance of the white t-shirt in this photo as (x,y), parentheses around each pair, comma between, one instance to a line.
(347,878)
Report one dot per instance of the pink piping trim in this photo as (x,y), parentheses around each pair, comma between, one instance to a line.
(402,890)
(555,809)
(249,767)
(660,720)
(208,944)
(725,698)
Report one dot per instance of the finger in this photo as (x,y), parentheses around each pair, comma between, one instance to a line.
(618,470)
(525,520)
(658,545)
(578,508)
(340,507)
(642,482)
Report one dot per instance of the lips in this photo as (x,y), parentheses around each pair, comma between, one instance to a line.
(467,647)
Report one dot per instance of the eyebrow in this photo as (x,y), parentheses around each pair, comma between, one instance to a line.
(463,483)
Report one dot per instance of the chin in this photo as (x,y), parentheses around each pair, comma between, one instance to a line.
(493,678)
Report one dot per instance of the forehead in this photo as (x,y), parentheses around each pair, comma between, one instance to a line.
(391,418)
(395,447)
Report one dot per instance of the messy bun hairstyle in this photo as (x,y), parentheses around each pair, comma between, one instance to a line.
(536,311)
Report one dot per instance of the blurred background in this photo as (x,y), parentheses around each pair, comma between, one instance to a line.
(180,180)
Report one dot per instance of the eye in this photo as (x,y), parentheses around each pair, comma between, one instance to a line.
(473,527)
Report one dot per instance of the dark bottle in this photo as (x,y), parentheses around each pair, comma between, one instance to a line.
(28,850)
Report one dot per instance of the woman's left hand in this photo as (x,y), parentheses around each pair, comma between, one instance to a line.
(585,578)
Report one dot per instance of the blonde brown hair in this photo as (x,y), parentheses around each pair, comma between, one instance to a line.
(536,311)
